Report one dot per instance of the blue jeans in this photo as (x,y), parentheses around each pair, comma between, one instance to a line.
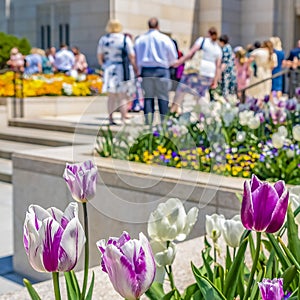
(155,83)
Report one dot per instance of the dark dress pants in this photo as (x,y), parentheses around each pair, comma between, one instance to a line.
(156,83)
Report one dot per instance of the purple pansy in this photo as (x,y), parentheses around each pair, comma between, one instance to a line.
(264,206)
(53,239)
(81,179)
(129,264)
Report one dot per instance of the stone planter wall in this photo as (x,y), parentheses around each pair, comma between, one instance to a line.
(126,194)
(59,105)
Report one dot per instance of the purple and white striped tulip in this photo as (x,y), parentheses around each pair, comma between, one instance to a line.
(264,206)
(53,239)
(271,289)
(129,264)
(81,179)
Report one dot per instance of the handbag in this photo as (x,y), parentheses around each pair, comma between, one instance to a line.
(125,61)
(192,66)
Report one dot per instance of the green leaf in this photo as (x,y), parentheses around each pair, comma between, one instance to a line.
(288,276)
(174,293)
(280,254)
(289,254)
(91,288)
(270,264)
(232,275)
(207,268)
(207,288)
(239,197)
(73,290)
(190,291)
(32,292)
(254,291)
(228,261)
(293,239)
(156,291)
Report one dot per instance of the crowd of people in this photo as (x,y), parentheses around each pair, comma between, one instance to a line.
(49,61)
(154,57)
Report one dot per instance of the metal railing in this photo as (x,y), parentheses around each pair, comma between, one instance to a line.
(293,76)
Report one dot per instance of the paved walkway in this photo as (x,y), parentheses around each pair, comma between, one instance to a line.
(9,281)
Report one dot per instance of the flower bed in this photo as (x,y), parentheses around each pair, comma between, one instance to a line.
(49,85)
(53,240)
(225,138)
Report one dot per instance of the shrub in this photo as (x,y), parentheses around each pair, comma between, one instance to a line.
(7,42)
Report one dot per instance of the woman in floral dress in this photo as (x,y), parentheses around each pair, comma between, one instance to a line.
(228,79)
(110,58)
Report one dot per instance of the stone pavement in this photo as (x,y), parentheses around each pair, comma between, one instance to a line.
(9,281)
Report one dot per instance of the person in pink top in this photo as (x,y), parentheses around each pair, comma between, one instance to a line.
(16,60)
(242,70)
(80,65)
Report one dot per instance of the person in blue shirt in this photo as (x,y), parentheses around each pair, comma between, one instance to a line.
(277,82)
(33,62)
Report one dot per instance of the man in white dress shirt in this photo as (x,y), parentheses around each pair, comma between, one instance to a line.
(64,60)
(155,53)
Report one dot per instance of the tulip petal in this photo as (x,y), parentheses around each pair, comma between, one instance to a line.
(71,245)
(279,213)
(39,213)
(120,272)
(56,214)
(174,211)
(264,200)
(191,219)
(247,207)
(149,272)
(255,183)
(50,233)
(279,187)
(35,247)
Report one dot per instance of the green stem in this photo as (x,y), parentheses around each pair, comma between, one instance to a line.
(234,253)
(254,265)
(55,279)
(86,250)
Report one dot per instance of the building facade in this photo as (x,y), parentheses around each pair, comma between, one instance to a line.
(52,22)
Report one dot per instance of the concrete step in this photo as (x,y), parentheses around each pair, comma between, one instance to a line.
(42,137)
(83,127)
(7,148)
(5,170)
(54,125)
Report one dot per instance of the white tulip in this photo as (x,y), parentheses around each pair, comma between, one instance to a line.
(164,256)
(170,222)
(296,133)
(245,116)
(277,140)
(214,226)
(254,122)
(232,231)
(295,200)
(283,131)
(240,136)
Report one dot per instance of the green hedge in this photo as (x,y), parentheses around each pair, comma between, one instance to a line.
(9,41)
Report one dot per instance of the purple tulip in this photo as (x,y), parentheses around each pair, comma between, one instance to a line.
(271,289)
(264,206)
(129,263)
(81,179)
(53,239)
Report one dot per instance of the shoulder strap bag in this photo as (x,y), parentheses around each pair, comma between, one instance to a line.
(125,61)
(192,66)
